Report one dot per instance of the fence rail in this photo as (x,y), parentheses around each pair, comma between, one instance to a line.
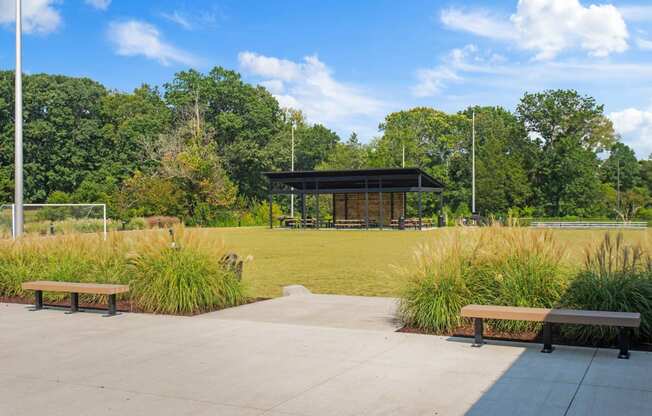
(589,224)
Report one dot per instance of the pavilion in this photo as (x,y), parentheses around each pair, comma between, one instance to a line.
(363,198)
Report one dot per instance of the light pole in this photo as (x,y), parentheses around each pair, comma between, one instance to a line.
(292,169)
(473,165)
(18,129)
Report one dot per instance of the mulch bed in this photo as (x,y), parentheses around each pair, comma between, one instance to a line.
(122,305)
(527,337)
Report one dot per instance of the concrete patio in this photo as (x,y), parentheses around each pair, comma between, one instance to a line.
(283,358)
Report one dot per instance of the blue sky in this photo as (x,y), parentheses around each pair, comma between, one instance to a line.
(348,63)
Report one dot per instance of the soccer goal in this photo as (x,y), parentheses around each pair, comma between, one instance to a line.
(52,219)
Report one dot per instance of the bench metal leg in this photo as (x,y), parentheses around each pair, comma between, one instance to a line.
(623,343)
(112,305)
(38,300)
(478,324)
(547,338)
(74,302)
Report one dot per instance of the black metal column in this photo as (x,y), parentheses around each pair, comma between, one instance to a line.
(334,210)
(547,338)
(478,325)
(441,204)
(366,204)
(317,204)
(623,343)
(303,205)
(112,305)
(74,302)
(380,200)
(38,300)
(420,205)
(271,200)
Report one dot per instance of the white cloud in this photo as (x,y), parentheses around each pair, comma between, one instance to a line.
(478,22)
(549,27)
(432,81)
(39,16)
(192,19)
(133,38)
(178,18)
(636,13)
(99,4)
(269,67)
(644,44)
(636,128)
(309,86)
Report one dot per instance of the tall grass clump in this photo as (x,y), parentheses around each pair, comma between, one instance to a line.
(616,277)
(78,258)
(182,277)
(492,265)
(523,267)
(437,289)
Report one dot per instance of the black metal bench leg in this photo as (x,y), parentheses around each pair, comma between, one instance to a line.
(74,302)
(38,300)
(547,338)
(112,305)
(623,343)
(478,324)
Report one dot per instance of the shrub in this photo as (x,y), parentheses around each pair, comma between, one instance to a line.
(161,221)
(616,277)
(185,277)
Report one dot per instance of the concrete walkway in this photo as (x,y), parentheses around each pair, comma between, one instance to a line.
(136,364)
(353,312)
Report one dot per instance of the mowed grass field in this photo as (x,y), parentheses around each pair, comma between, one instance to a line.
(354,262)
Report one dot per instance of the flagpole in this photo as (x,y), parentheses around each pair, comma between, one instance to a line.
(18,127)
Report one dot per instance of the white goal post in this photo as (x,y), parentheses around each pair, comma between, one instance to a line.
(13,214)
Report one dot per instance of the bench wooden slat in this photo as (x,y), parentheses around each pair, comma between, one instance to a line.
(558,316)
(70,287)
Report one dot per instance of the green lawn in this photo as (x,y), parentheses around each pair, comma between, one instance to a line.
(349,262)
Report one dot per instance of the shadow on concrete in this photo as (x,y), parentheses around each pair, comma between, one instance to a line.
(569,381)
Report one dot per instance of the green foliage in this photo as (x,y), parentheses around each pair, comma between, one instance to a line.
(349,155)
(185,279)
(616,277)
(568,130)
(90,143)
(439,289)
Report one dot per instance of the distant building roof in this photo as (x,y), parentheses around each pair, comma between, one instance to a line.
(358,180)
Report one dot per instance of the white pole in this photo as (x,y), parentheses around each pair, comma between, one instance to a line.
(18,128)
(403,155)
(13,221)
(292,168)
(618,175)
(473,165)
(104,217)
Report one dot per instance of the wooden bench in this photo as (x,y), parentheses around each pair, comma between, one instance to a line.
(622,320)
(75,289)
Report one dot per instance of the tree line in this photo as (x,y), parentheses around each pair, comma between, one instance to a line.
(196,148)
